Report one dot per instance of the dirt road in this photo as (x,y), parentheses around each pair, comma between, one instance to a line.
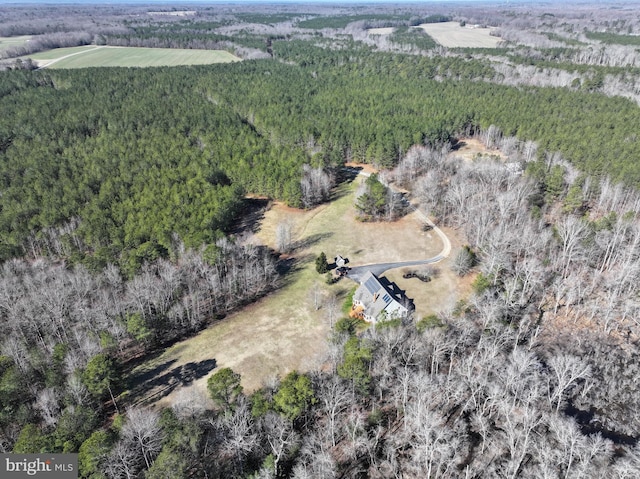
(51,62)
(357,272)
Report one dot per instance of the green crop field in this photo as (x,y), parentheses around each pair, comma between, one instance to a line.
(7,42)
(59,53)
(105,56)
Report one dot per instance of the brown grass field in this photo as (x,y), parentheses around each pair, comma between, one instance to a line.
(443,291)
(380,31)
(452,35)
(283,331)
(470,149)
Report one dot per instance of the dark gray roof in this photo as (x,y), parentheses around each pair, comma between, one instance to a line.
(372,284)
(377,298)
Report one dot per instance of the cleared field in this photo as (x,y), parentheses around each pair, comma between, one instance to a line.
(106,56)
(471,149)
(452,35)
(8,42)
(284,331)
(59,53)
(380,31)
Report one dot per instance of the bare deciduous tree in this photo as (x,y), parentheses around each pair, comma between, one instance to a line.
(280,437)
(567,371)
(284,240)
(142,432)
(316,185)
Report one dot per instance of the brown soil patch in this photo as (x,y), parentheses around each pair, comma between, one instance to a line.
(471,149)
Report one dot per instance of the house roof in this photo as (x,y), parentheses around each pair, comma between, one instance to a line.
(376,298)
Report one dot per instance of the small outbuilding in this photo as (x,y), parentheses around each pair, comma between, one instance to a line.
(340,261)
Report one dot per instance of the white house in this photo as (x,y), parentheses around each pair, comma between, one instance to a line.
(375,300)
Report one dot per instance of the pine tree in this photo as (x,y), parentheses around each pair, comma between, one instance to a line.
(321,263)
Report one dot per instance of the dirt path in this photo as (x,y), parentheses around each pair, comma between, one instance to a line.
(56,60)
(357,272)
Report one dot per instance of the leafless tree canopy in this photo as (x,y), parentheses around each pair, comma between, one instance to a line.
(534,375)
(316,184)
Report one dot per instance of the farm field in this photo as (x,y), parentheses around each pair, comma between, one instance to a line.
(452,35)
(107,56)
(284,331)
(380,31)
(8,42)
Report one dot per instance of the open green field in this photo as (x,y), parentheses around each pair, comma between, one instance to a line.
(8,42)
(284,330)
(59,53)
(107,56)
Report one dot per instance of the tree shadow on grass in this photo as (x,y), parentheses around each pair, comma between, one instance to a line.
(344,177)
(149,374)
(152,385)
(311,240)
(287,267)
(253,210)
(348,174)
(457,144)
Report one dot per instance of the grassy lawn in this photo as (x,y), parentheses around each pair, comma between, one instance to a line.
(284,331)
(443,291)
(8,42)
(92,56)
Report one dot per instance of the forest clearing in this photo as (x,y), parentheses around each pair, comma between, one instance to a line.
(284,331)
(186,252)
(380,31)
(471,149)
(109,56)
(8,42)
(452,35)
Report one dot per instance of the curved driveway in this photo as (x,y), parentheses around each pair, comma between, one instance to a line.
(56,60)
(356,272)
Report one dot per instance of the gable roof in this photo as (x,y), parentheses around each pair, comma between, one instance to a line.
(376,298)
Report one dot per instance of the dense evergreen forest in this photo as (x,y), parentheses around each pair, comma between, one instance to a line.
(136,156)
(191,142)
(120,189)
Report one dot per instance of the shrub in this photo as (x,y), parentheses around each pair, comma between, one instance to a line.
(430,321)
(346,325)
(464,261)
(481,283)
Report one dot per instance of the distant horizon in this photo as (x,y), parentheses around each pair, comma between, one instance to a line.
(293,2)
